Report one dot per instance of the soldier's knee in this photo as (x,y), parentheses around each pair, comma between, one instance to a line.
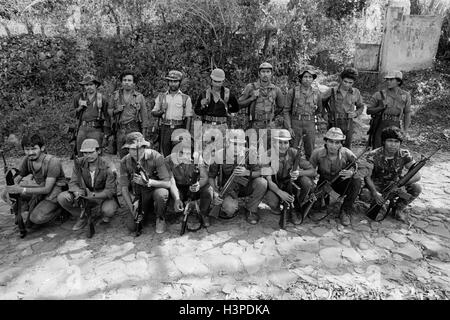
(272,200)
(109,208)
(230,205)
(64,198)
(259,184)
(305,182)
(161,194)
(414,189)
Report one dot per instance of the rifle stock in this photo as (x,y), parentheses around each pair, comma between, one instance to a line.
(187,209)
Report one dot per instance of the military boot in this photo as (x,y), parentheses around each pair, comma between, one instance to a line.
(344,216)
(296,217)
(399,211)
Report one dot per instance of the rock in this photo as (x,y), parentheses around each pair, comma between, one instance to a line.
(306,259)
(331,257)
(370,254)
(252,261)
(328,242)
(309,246)
(364,245)
(321,294)
(346,242)
(232,248)
(362,227)
(72,245)
(439,230)
(137,269)
(190,265)
(352,255)
(384,243)
(397,257)
(228,288)
(286,248)
(421,272)
(243,243)
(283,278)
(221,263)
(399,238)
(421,224)
(322,232)
(409,251)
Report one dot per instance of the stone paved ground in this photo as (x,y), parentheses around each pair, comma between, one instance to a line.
(232,259)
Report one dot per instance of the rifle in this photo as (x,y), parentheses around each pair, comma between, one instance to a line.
(330,107)
(194,179)
(287,206)
(326,187)
(74,132)
(84,204)
(10,174)
(391,191)
(137,204)
(375,122)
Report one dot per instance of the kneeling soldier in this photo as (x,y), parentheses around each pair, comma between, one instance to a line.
(385,166)
(154,191)
(93,179)
(38,203)
(285,173)
(331,161)
(181,167)
(245,180)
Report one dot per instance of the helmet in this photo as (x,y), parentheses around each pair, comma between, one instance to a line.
(218,75)
(350,73)
(89,145)
(265,65)
(174,75)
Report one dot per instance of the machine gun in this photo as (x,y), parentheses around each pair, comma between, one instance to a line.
(14,197)
(375,121)
(190,202)
(74,132)
(137,203)
(84,204)
(325,187)
(288,207)
(393,190)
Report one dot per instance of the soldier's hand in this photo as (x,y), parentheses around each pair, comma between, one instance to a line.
(255,94)
(118,109)
(286,197)
(77,194)
(178,206)
(138,180)
(291,131)
(345,174)
(5,197)
(204,102)
(351,114)
(240,171)
(406,135)
(195,187)
(294,175)
(378,198)
(217,200)
(14,189)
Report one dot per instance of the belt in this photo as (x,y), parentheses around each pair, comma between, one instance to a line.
(304,117)
(263,118)
(341,116)
(172,123)
(215,120)
(90,124)
(129,125)
(390,117)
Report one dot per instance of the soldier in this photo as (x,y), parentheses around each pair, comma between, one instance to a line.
(303,102)
(345,103)
(92,178)
(330,161)
(155,191)
(385,166)
(92,112)
(175,110)
(128,111)
(394,105)
(181,166)
(262,99)
(284,173)
(38,203)
(247,180)
(216,104)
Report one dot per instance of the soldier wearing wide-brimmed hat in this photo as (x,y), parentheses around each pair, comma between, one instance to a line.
(174,108)
(344,103)
(394,106)
(263,99)
(330,161)
(93,178)
(155,190)
(128,109)
(215,105)
(247,181)
(282,172)
(91,109)
(303,103)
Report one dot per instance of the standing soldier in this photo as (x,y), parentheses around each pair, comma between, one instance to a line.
(153,192)
(215,104)
(303,102)
(391,107)
(331,161)
(280,177)
(262,99)
(92,112)
(175,110)
(344,104)
(128,111)
(93,179)
(181,166)
(243,178)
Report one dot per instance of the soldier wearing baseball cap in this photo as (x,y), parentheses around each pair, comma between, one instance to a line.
(389,107)
(94,179)
(247,180)
(91,111)
(303,103)
(282,172)
(331,160)
(174,111)
(215,106)
(343,103)
(129,112)
(263,99)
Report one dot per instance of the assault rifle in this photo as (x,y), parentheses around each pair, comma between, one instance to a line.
(287,206)
(375,122)
(14,197)
(190,202)
(392,190)
(137,204)
(84,204)
(74,132)
(325,187)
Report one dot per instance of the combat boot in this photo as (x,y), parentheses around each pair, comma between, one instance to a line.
(344,216)
(399,212)
(295,217)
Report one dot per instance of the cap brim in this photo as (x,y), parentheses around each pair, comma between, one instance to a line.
(89,82)
(87,150)
(136,145)
(282,139)
(217,79)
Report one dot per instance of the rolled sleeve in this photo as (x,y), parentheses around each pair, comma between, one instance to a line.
(161,168)
(124,178)
(189,112)
(110,184)
(144,113)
